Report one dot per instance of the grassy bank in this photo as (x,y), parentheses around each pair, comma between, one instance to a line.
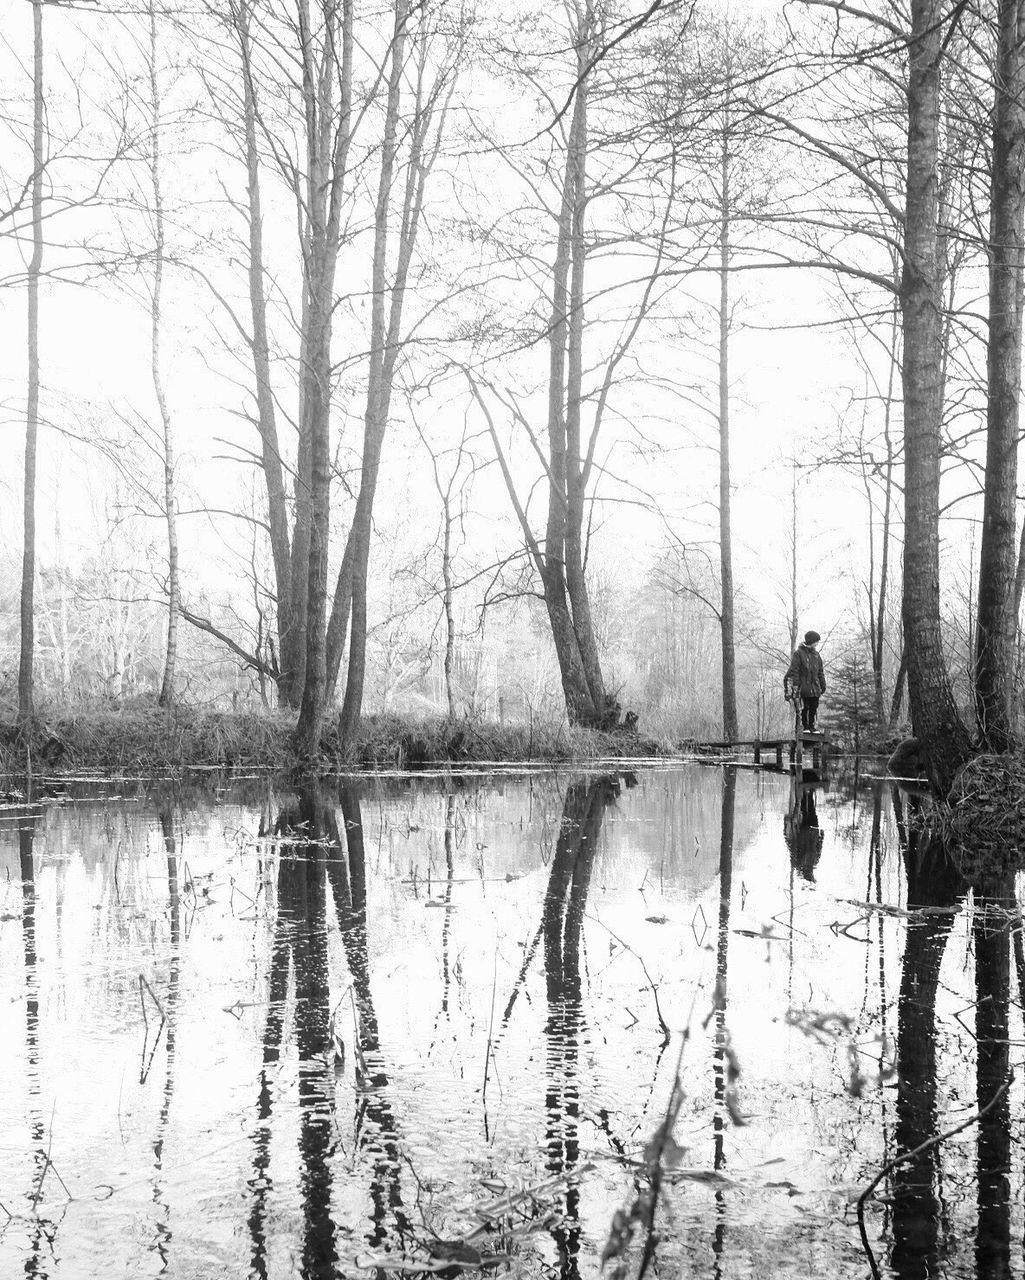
(147,739)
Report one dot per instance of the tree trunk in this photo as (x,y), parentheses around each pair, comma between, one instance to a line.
(166,697)
(878,636)
(934,714)
(576,582)
(289,685)
(730,726)
(449,588)
(327,139)
(311,709)
(385,340)
(26,708)
(580,706)
(561,539)
(997,617)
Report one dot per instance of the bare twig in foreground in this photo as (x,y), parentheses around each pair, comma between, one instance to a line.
(910,1155)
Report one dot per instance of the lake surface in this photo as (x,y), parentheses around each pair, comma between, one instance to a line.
(424,1025)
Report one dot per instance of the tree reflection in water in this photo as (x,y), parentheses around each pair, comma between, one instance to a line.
(918,1211)
(162,1243)
(376,1129)
(312,858)
(42,1231)
(724,1070)
(562,921)
(995,907)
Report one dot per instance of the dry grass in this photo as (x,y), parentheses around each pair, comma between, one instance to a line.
(148,739)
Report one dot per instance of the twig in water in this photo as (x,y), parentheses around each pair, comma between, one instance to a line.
(144,1066)
(666,1033)
(487,1051)
(47,1165)
(890,1165)
(153,997)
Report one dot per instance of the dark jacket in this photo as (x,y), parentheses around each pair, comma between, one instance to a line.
(806,673)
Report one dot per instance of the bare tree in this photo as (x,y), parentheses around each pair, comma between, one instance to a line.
(166,697)
(581,166)
(432,62)
(26,707)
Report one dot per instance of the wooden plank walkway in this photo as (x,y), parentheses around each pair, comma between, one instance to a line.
(803,750)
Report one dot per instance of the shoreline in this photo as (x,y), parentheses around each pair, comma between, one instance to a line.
(152,740)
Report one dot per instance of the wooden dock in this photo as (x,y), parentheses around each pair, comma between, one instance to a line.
(802,751)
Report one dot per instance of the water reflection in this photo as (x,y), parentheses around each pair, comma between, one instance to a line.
(316,867)
(375,1127)
(923,1236)
(995,909)
(725,1070)
(169,1025)
(933,884)
(801,831)
(562,921)
(358,1024)
(300,947)
(40,1232)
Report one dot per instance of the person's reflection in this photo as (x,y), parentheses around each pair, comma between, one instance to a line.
(376,1128)
(562,921)
(932,881)
(723,1068)
(801,831)
(300,935)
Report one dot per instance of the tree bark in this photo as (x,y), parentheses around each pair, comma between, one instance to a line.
(997,615)
(26,707)
(730,726)
(565,512)
(576,580)
(289,681)
(327,139)
(935,717)
(385,348)
(448,587)
(378,392)
(166,697)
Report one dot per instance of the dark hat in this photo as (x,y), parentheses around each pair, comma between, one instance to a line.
(811,637)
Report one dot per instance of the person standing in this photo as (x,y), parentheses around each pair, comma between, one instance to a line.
(806,679)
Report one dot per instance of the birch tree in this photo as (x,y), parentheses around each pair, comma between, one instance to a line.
(155,129)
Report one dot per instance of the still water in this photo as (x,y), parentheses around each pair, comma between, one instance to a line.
(397,1026)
